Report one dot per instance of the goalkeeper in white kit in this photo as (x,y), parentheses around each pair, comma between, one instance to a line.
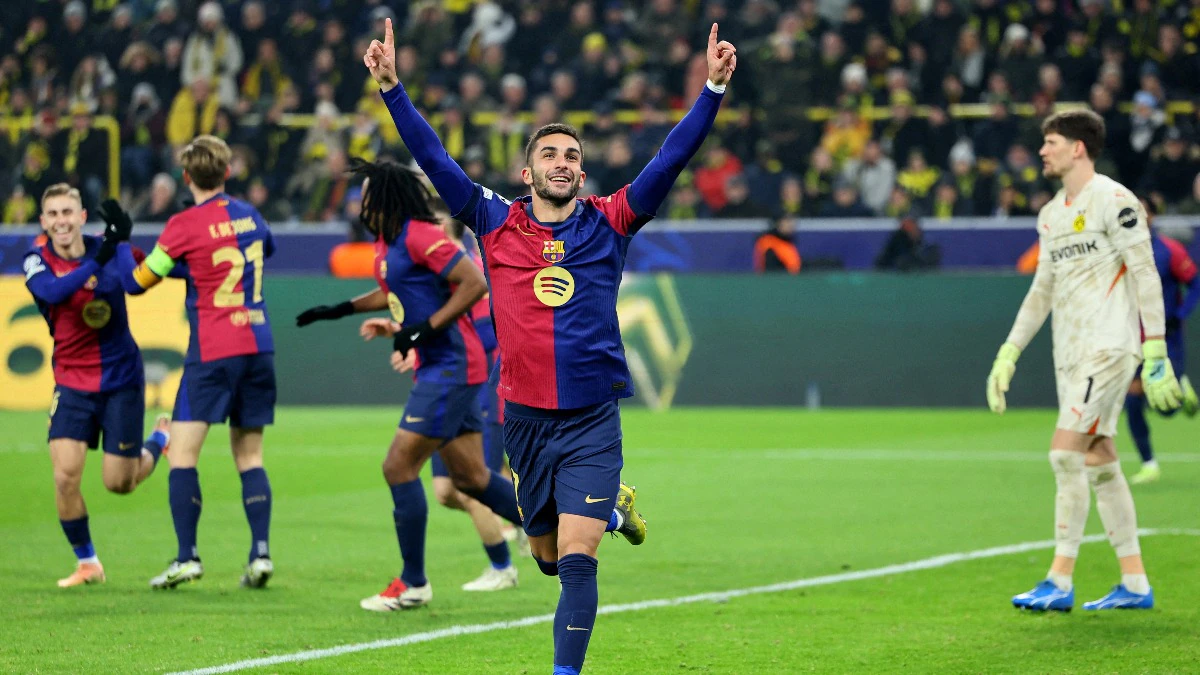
(1096,273)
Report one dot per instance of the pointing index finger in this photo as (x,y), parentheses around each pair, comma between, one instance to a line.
(388,40)
(712,36)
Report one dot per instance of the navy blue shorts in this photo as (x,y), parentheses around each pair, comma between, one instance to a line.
(444,411)
(84,416)
(563,461)
(240,389)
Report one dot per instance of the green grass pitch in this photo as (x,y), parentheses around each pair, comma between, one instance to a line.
(734,499)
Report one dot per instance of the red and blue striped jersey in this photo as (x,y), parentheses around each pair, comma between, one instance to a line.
(221,246)
(93,348)
(412,271)
(554,297)
(1177,272)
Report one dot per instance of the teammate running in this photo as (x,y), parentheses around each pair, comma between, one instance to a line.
(554,264)
(220,246)
(76,281)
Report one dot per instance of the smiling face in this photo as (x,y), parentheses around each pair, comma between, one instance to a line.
(63,218)
(554,169)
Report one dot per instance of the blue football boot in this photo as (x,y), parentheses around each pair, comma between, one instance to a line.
(1045,596)
(1122,598)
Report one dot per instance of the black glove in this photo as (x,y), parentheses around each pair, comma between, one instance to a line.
(412,336)
(324,313)
(117,229)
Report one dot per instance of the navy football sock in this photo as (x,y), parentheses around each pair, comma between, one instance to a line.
(411,515)
(614,522)
(1135,410)
(154,444)
(550,569)
(183,486)
(498,554)
(576,614)
(256,498)
(79,537)
(500,497)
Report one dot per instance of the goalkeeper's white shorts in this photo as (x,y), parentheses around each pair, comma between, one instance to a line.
(1091,394)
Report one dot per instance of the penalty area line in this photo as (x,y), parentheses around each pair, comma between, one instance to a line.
(717,596)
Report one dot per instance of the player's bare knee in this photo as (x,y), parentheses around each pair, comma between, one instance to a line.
(445,493)
(470,481)
(121,485)
(1102,451)
(67,482)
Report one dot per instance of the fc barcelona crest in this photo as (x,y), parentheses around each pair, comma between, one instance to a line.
(553,251)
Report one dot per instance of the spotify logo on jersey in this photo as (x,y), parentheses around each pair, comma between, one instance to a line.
(554,286)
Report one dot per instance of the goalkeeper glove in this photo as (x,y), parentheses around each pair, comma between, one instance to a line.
(118,226)
(1158,377)
(412,336)
(324,313)
(1001,376)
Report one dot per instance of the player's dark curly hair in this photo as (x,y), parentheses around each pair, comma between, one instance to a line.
(393,194)
(542,132)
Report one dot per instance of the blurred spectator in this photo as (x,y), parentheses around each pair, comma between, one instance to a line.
(490,25)
(1078,62)
(1146,129)
(1019,60)
(143,133)
(163,202)
(92,76)
(254,28)
(1170,176)
(213,52)
(1191,205)
(266,78)
(684,202)
(73,41)
(83,154)
(874,175)
(845,203)
(118,35)
(918,178)
(775,250)
(946,202)
(193,112)
(616,169)
(737,201)
(994,136)
(791,196)
(719,165)
(846,135)
(818,180)
(20,208)
(906,250)
(167,25)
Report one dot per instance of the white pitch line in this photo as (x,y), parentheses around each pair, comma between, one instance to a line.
(862,455)
(719,596)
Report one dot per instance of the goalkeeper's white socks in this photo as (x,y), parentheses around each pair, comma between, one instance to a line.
(1061,581)
(1136,583)
(1071,503)
(1114,502)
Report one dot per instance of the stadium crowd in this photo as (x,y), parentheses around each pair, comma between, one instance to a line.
(888,73)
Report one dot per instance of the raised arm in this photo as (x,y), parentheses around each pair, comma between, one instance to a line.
(448,178)
(650,188)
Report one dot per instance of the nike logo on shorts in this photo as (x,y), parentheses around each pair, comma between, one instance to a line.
(413,420)
(589,500)
(125,446)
